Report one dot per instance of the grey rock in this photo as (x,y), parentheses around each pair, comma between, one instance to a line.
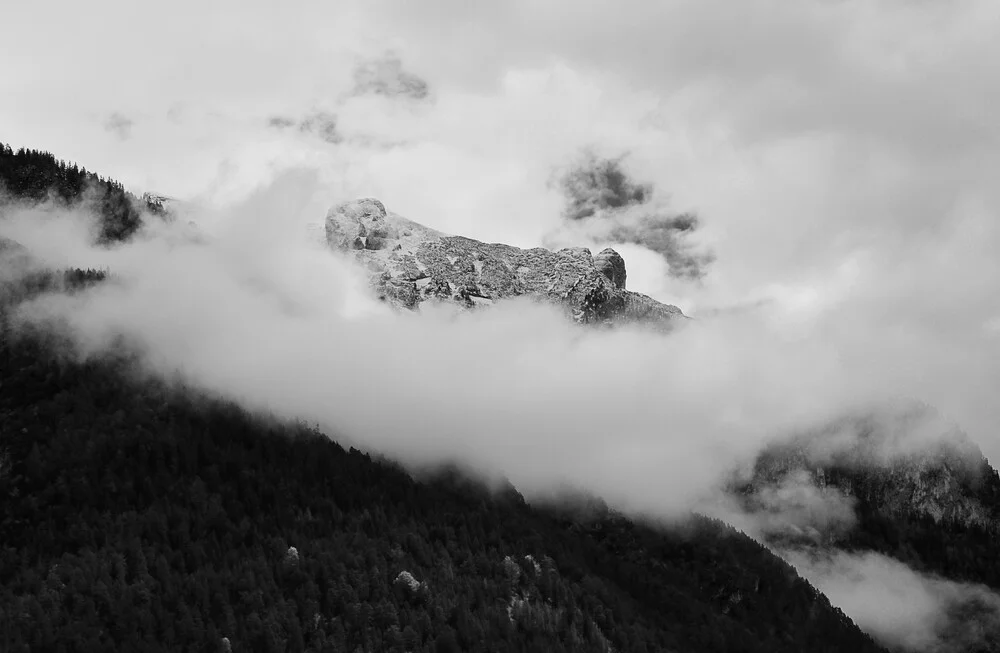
(407,580)
(362,225)
(411,264)
(611,264)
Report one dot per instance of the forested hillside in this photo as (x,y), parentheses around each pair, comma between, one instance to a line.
(138,515)
(32,175)
(936,511)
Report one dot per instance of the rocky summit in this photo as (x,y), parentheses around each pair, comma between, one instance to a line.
(411,264)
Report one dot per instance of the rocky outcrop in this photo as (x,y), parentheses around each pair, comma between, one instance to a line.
(411,263)
(948,480)
(611,264)
(406,579)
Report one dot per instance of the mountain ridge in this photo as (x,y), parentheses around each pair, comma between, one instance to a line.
(410,263)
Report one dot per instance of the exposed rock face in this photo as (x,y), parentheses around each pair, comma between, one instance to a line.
(611,264)
(407,580)
(411,264)
(949,481)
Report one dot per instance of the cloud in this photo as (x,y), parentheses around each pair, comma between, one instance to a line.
(594,185)
(253,310)
(385,75)
(840,156)
(15,261)
(796,509)
(603,202)
(280,122)
(323,124)
(901,607)
(802,519)
(257,312)
(119,125)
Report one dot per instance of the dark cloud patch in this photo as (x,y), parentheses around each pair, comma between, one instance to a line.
(665,235)
(386,76)
(119,125)
(595,184)
(600,193)
(280,122)
(323,124)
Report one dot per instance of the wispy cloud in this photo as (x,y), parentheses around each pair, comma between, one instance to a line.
(902,607)
(119,125)
(385,75)
(603,203)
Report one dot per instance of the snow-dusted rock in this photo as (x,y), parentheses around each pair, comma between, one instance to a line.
(411,263)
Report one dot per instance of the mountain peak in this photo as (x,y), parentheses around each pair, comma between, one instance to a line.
(412,263)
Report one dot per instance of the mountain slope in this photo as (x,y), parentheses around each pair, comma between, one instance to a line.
(139,515)
(933,504)
(896,500)
(35,176)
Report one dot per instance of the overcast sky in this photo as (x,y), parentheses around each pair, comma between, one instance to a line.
(841,154)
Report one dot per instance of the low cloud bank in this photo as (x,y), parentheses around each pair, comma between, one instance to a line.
(252,309)
(245,304)
(902,607)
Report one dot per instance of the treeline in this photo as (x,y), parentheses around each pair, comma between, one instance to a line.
(138,515)
(37,282)
(889,517)
(35,176)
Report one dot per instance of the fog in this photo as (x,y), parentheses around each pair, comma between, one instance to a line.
(901,607)
(252,309)
(248,306)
